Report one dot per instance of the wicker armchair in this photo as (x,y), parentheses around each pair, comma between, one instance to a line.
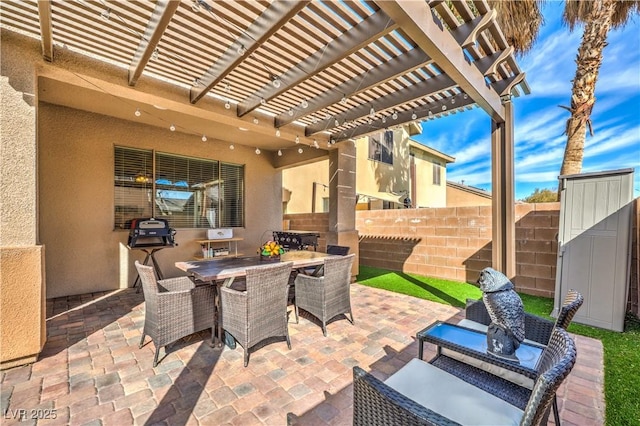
(536,329)
(174,308)
(423,394)
(329,295)
(260,312)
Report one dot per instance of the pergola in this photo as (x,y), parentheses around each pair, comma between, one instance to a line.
(312,74)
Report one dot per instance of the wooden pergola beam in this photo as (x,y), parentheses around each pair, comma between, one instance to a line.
(158,23)
(46,34)
(417,20)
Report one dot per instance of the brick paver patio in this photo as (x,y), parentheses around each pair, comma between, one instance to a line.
(91,371)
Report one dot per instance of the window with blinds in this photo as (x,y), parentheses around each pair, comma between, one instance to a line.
(188,192)
(381,147)
(437,173)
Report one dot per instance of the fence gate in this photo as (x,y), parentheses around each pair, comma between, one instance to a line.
(594,245)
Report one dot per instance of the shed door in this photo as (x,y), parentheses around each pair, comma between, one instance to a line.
(594,245)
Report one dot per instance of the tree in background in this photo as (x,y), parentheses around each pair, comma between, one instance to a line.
(542,196)
(520,22)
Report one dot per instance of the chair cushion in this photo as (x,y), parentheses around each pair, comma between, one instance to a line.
(451,397)
(512,376)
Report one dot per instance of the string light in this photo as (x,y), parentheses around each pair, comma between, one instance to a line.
(204,138)
(255,120)
(227,88)
(384,120)
(337,122)
(430,114)
(257,151)
(414,116)
(453,100)
(394,115)
(263,101)
(172,128)
(279,153)
(304,103)
(276,82)
(465,96)
(195,82)
(156,54)
(343,101)
(278,132)
(137,113)
(195,6)
(297,139)
(242,50)
(106,14)
(290,112)
(231,147)
(444,107)
(227,105)
(315,144)
(300,150)
(372,112)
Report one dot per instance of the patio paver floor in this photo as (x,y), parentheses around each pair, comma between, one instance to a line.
(92,372)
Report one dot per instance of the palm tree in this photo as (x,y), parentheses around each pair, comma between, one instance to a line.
(520,22)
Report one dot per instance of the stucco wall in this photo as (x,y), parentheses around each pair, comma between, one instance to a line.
(460,198)
(299,180)
(76,176)
(22,283)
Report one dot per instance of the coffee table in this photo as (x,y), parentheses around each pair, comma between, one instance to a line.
(473,343)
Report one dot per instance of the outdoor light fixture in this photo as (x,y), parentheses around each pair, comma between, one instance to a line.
(444,107)
(343,101)
(278,132)
(300,150)
(276,82)
(384,120)
(337,122)
(297,139)
(255,120)
(290,112)
(241,50)
(156,54)
(204,138)
(227,88)
(231,147)
(430,113)
(137,113)
(453,100)
(372,112)
(263,101)
(304,103)
(395,115)
(257,151)
(227,105)
(172,128)
(465,96)
(414,116)
(279,153)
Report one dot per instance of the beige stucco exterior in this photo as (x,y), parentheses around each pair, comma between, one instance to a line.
(374,178)
(58,190)
(464,196)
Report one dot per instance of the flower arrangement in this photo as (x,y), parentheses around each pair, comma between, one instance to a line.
(271,249)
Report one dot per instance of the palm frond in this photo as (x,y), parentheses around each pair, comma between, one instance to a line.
(520,22)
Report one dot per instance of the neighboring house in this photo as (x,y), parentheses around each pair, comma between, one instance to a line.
(460,195)
(393,172)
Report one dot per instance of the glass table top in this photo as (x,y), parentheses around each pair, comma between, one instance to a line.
(527,354)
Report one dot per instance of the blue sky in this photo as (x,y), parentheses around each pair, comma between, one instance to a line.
(539,122)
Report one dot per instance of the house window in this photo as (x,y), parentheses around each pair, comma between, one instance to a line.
(381,147)
(188,192)
(437,173)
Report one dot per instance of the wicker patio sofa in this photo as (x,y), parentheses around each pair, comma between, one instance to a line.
(420,393)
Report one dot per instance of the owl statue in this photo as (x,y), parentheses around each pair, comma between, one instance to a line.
(506,311)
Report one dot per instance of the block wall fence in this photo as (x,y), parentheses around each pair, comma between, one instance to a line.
(455,243)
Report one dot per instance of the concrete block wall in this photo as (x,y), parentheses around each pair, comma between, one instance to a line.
(453,242)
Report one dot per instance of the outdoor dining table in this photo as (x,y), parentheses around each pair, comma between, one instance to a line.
(222,272)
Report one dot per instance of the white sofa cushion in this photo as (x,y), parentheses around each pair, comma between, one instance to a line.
(452,397)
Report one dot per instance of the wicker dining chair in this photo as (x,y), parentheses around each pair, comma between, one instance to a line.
(260,312)
(174,308)
(423,394)
(329,295)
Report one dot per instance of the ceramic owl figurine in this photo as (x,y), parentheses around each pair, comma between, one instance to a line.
(506,311)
